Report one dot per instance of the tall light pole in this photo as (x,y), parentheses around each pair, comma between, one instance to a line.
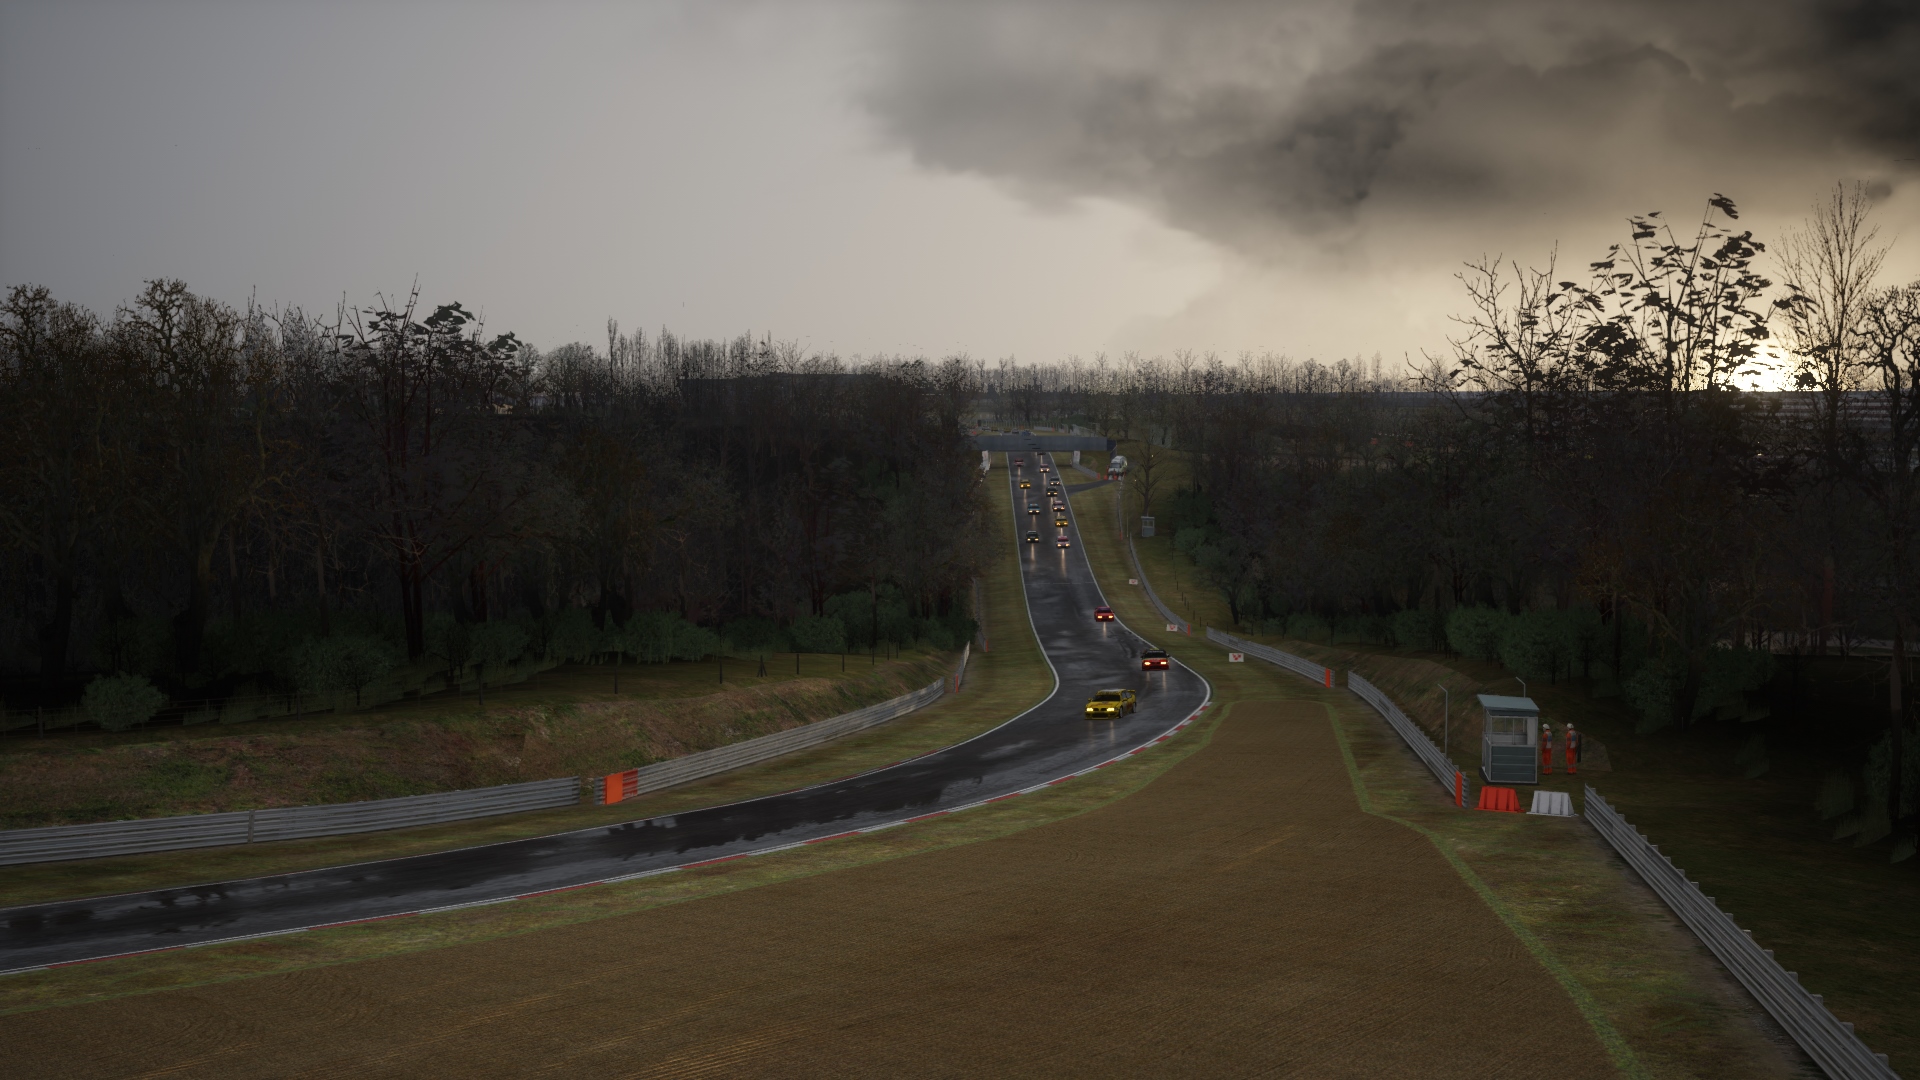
(1523,685)
(1446,721)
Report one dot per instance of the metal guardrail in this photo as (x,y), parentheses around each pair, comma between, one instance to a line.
(1139,572)
(1830,1042)
(1165,611)
(705,763)
(1319,673)
(1444,770)
(62,842)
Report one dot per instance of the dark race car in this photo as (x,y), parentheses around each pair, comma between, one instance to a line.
(1103,613)
(1153,659)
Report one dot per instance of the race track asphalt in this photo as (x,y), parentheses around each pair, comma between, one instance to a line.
(1049,741)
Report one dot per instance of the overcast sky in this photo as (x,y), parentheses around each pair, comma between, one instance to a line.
(1031,179)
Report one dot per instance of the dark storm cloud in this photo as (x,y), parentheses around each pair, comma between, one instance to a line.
(1248,122)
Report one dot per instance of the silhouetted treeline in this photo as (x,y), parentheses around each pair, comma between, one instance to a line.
(1583,487)
(201,494)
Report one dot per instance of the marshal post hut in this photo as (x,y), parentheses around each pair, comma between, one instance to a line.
(1509,740)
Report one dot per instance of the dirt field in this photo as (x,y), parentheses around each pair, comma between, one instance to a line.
(1240,916)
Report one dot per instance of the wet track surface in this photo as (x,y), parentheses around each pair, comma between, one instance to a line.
(1047,742)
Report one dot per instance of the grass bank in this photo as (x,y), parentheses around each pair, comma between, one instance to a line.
(570,722)
(1607,937)
(1841,916)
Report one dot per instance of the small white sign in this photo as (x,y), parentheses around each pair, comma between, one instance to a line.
(1174,627)
(1236,658)
(1133,581)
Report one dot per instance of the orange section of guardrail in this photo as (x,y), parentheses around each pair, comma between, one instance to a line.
(619,787)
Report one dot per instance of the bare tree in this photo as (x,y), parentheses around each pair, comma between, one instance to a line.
(1881,456)
(61,449)
(207,386)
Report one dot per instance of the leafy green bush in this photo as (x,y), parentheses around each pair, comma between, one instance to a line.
(1416,629)
(857,614)
(659,636)
(1365,629)
(818,634)
(136,646)
(1654,692)
(1585,639)
(571,636)
(1476,631)
(961,627)
(1728,674)
(1879,771)
(754,635)
(497,644)
(341,664)
(258,643)
(450,641)
(1306,626)
(1188,508)
(1836,796)
(118,702)
(1189,540)
(1534,645)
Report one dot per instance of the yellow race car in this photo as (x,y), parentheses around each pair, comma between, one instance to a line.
(1025,483)
(1111,704)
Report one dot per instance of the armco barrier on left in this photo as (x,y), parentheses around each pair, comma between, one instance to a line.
(620,786)
(1319,673)
(61,842)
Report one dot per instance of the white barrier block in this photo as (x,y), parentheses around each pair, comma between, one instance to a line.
(1552,804)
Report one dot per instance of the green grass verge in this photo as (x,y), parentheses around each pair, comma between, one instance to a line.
(1840,916)
(1656,997)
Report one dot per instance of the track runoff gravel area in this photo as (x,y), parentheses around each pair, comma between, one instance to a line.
(1239,916)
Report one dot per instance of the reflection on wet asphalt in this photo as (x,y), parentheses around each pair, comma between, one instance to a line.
(1047,742)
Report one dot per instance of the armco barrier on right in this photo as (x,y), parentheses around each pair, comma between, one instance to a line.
(1828,1041)
(1319,673)
(1450,777)
(620,786)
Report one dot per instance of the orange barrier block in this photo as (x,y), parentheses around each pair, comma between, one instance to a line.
(1329,678)
(619,787)
(1503,799)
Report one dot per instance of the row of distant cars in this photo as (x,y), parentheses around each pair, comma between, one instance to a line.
(1056,503)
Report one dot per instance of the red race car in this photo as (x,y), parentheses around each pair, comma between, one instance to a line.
(1153,659)
(1103,613)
